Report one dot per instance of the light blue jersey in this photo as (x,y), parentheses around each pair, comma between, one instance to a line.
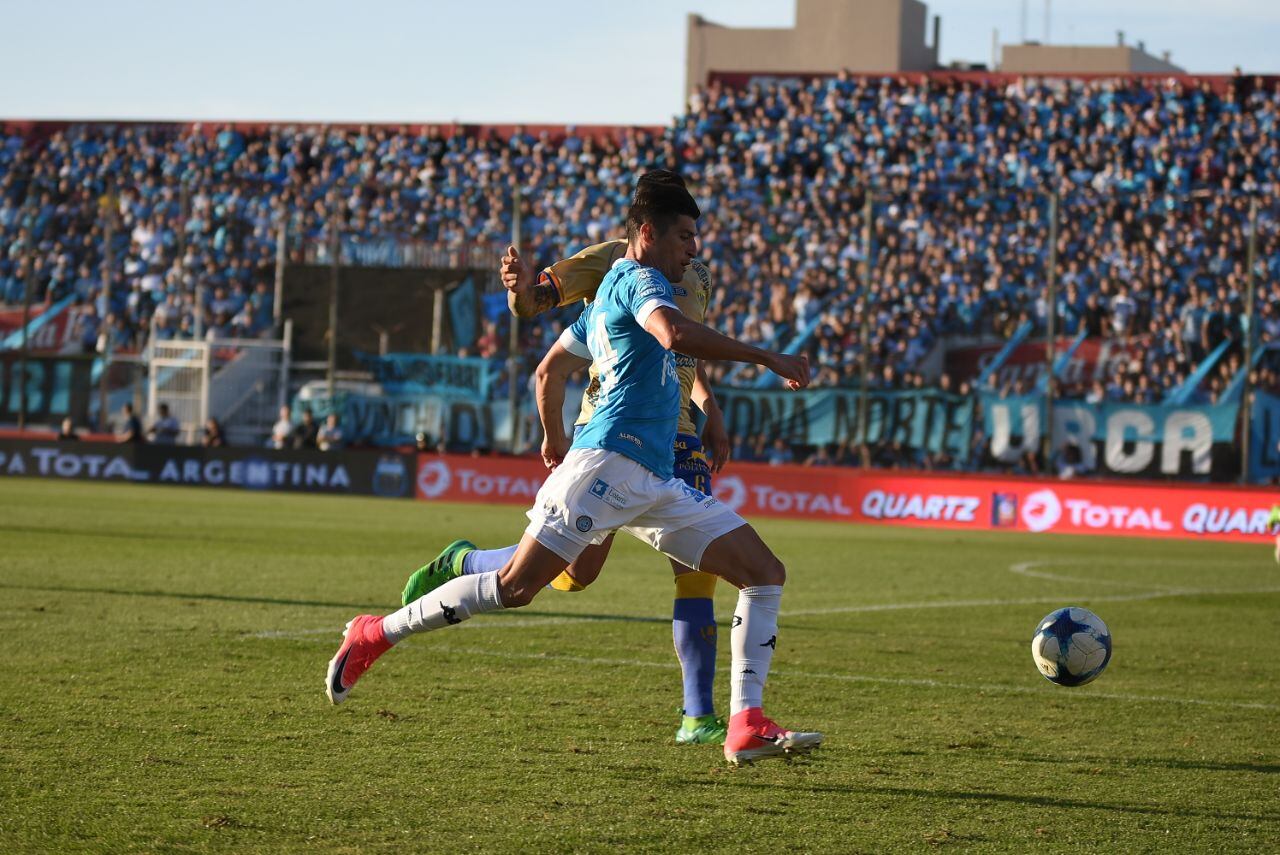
(639,403)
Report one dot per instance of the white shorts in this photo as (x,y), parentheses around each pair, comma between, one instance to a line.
(595,492)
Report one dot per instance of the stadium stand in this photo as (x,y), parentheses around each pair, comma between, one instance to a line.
(1155,177)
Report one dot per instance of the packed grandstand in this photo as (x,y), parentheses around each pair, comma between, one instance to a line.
(1156,180)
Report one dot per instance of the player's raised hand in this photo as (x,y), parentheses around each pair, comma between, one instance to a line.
(793,369)
(516,275)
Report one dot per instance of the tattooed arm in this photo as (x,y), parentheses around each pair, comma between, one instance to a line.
(525,296)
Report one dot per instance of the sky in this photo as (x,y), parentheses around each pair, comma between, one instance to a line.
(498,61)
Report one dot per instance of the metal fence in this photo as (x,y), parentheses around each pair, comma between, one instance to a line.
(240,382)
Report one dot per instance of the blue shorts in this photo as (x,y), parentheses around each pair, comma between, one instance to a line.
(692,465)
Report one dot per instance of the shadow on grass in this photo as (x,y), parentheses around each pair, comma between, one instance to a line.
(281,601)
(965,797)
(1162,762)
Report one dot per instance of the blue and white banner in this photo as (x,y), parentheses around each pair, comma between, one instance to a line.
(1116,439)
(391,419)
(459,422)
(921,420)
(418,373)
(462,314)
(1264,437)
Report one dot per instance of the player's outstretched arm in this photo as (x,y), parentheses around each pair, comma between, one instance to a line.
(675,331)
(552,375)
(526,297)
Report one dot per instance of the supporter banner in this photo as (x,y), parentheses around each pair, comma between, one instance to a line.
(920,419)
(462,314)
(48,332)
(396,419)
(911,499)
(1264,437)
(465,375)
(57,387)
(367,473)
(11,319)
(1117,439)
(1095,358)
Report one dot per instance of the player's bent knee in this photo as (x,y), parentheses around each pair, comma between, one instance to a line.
(517,592)
(516,595)
(773,572)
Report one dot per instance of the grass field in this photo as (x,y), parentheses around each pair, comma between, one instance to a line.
(170,648)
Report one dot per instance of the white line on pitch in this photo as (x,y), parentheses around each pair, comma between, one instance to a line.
(854,678)
(1027,568)
(1028,601)
(505,623)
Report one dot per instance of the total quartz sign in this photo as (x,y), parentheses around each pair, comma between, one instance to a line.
(913,499)
(1080,508)
(1064,507)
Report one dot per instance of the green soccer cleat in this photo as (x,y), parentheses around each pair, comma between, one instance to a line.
(701,730)
(445,566)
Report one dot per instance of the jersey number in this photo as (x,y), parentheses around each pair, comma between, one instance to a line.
(604,354)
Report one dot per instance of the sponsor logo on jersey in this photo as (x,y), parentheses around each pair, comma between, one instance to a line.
(700,271)
(602,491)
(629,437)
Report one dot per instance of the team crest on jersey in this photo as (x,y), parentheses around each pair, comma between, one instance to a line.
(584,523)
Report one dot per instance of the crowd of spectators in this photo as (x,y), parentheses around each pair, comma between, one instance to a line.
(1154,179)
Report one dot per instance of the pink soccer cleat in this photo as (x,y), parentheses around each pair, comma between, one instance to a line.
(363,642)
(753,737)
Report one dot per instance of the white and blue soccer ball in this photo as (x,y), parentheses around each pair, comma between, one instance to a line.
(1071,647)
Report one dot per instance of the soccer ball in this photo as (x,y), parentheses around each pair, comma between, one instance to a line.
(1071,646)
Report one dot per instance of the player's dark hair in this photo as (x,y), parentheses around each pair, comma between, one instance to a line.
(660,198)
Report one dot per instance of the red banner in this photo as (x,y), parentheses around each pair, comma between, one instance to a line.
(11,319)
(977,503)
(56,335)
(1095,358)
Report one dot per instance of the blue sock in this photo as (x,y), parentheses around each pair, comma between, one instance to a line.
(693,627)
(486,560)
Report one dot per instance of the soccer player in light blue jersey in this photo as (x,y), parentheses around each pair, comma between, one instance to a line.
(693,625)
(617,474)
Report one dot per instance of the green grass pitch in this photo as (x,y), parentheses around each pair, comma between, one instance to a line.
(167,650)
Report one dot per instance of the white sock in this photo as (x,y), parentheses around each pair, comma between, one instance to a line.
(487,560)
(753,638)
(453,602)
